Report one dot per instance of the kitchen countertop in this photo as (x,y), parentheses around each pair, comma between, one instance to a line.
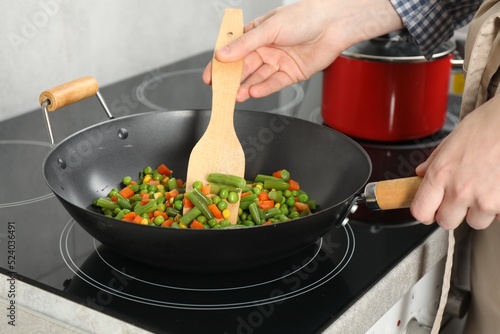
(39,311)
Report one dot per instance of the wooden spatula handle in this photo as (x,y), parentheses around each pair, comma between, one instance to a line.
(392,194)
(226,77)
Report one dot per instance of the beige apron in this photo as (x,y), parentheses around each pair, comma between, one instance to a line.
(482,68)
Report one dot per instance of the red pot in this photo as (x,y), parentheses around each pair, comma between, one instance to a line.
(385,90)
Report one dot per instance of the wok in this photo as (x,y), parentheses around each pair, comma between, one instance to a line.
(331,167)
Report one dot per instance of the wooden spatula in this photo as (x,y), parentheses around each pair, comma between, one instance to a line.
(219,149)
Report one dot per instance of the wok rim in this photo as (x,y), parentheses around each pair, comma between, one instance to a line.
(323,210)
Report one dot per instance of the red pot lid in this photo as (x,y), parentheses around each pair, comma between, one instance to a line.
(393,48)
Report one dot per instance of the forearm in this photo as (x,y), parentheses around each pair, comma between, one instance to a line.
(430,22)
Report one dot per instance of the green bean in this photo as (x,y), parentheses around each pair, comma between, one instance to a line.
(207,200)
(123,203)
(172,183)
(272,212)
(215,188)
(172,212)
(251,197)
(262,178)
(276,184)
(254,212)
(276,196)
(199,204)
(189,216)
(106,203)
(148,207)
(227,179)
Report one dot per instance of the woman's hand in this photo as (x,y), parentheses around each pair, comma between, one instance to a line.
(462,176)
(293,42)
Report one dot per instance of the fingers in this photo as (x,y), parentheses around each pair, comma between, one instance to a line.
(254,38)
(450,206)
(427,201)
(207,74)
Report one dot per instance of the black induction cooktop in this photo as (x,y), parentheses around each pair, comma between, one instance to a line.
(304,293)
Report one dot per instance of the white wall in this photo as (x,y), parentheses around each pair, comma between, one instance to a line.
(47,42)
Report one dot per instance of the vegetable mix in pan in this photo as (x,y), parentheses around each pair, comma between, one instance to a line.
(158,198)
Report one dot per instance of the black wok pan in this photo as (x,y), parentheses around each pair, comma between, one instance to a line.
(331,167)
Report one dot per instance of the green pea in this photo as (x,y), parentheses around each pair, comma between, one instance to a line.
(148,170)
(233,197)
(126,180)
(256,191)
(303,198)
(161,199)
(216,199)
(202,219)
(152,188)
(223,193)
(178,204)
(285,175)
(290,201)
(212,222)
(222,205)
(248,223)
(158,220)
(293,215)
(197,185)
(225,223)
(287,193)
(161,207)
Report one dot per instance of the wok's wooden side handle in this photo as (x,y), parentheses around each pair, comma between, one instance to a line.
(69,93)
(392,194)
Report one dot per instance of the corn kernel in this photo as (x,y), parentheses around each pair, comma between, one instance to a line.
(181,225)
(157,195)
(258,186)
(277,205)
(147,178)
(226,213)
(144,222)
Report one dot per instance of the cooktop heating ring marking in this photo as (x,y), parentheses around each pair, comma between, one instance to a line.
(31,200)
(140,92)
(208,289)
(252,303)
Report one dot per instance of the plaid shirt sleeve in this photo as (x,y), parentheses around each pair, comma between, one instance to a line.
(431,22)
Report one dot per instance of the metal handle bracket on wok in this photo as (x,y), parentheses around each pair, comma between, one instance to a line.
(383,195)
(68,93)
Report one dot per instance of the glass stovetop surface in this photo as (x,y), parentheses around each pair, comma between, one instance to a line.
(301,294)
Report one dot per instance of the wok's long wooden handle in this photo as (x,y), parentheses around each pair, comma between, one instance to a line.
(392,194)
(69,93)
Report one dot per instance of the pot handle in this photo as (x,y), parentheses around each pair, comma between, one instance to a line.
(391,194)
(68,93)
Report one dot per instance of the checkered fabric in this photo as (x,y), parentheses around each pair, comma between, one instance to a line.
(431,22)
